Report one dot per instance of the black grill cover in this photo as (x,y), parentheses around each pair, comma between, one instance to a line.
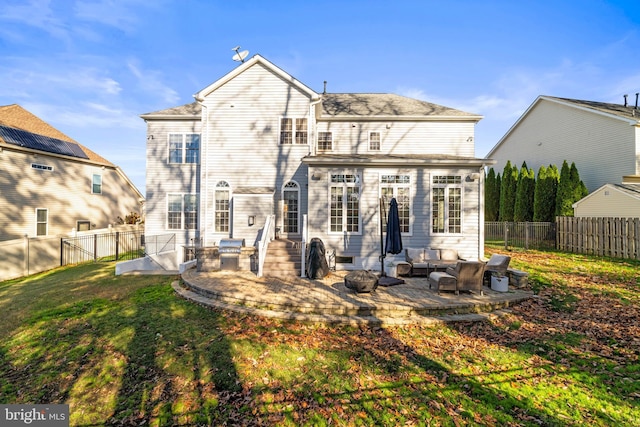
(317,267)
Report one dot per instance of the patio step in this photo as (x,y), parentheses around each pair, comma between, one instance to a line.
(283,258)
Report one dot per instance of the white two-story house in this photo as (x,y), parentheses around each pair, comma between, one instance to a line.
(257,142)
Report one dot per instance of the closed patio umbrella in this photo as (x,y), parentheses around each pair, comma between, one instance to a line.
(393,243)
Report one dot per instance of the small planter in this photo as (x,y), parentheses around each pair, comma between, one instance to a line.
(500,283)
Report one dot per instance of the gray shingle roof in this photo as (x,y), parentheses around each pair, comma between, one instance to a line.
(620,110)
(631,189)
(383,105)
(193,109)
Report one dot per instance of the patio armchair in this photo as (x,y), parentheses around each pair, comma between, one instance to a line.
(497,265)
(468,276)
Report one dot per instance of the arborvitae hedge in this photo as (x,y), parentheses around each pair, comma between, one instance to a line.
(508,192)
(544,200)
(491,197)
(525,197)
(523,210)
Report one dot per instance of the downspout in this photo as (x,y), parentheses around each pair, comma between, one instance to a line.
(204,185)
(312,113)
(481,213)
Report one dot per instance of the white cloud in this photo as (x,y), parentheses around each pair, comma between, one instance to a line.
(151,82)
(37,14)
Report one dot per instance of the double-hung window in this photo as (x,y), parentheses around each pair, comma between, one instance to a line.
(325,141)
(344,211)
(374,141)
(293,130)
(184,148)
(42,222)
(446,204)
(96,184)
(182,211)
(398,187)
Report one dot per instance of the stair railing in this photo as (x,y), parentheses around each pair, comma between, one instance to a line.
(265,239)
(303,246)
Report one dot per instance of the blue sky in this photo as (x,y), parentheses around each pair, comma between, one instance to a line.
(91,67)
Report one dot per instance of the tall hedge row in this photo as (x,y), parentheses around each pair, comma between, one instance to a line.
(520,195)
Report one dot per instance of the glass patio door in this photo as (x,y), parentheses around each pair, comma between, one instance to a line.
(291,209)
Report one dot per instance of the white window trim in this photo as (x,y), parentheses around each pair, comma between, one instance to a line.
(369,142)
(183,155)
(298,188)
(410,185)
(229,189)
(293,130)
(323,150)
(446,196)
(182,211)
(46,233)
(92,183)
(344,185)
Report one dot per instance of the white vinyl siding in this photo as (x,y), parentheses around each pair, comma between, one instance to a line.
(402,137)
(603,148)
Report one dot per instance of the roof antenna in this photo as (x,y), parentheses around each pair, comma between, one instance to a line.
(625,100)
(239,56)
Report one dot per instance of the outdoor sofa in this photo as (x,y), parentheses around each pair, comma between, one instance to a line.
(425,260)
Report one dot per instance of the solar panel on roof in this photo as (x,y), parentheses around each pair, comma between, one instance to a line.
(40,142)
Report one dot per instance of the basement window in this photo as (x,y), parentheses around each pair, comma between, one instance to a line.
(340,259)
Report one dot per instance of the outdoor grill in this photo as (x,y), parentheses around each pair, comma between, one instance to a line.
(229,250)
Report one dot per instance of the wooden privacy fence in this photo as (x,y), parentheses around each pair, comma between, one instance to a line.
(612,237)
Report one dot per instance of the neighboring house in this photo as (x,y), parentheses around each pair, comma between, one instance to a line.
(602,139)
(51,184)
(258,142)
(611,200)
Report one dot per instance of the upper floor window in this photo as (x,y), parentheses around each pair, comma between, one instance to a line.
(446,204)
(325,141)
(374,141)
(96,184)
(398,187)
(344,210)
(182,211)
(293,130)
(184,148)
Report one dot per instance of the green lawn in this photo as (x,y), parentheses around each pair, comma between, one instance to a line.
(126,351)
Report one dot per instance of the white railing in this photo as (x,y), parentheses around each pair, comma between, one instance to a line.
(303,246)
(265,239)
